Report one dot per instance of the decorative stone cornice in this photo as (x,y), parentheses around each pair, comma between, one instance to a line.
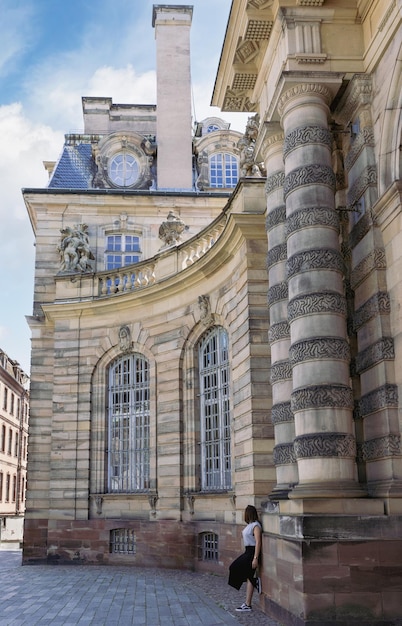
(277,292)
(364,139)
(282,413)
(375,260)
(380,448)
(314,174)
(319,348)
(325,445)
(382,350)
(325,302)
(384,397)
(357,95)
(305,135)
(274,181)
(281,371)
(270,139)
(378,304)
(321,258)
(303,89)
(284,454)
(310,3)
(321,396)
(279,331)
(276,254)
(276,217)
(312,216)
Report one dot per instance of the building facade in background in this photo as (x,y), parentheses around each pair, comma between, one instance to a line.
(14,419)
(216,316)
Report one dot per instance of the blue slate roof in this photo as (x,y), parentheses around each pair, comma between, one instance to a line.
(75,169)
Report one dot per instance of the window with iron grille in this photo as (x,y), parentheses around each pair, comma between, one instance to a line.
(209,547)
(223,170)
(128,419)
(216,471)
(122,541)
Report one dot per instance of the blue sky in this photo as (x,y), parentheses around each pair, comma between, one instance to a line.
(52,53)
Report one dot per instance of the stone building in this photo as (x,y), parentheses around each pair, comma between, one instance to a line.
(14,418)
(216,316)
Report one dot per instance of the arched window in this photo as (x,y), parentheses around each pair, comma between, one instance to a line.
(216,468)
(223,170)
(128,424)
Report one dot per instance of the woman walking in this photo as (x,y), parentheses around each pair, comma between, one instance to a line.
(243,568)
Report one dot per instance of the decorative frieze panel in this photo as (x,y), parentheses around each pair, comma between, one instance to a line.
(237,101)
(383,447)
(382,350)
(276,254)
(309,260)
(384,397)
(284,454)
(279,331)
(274,181)
(258,30)
(376,260)
(305,135)
(367,178)
(243,81)
(313,216)
(278,292)
(360,230)
(303,89)
(275,217)
(379,304)
(325,445)
(282,413)
(314,174)
(281,370)
(325,302)
(358,95)
(364,139)
(321,396)
(247,50)
(319,348)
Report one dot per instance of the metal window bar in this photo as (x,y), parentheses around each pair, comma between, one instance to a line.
(129,425)
(122,541)
(215,411)
(209,547)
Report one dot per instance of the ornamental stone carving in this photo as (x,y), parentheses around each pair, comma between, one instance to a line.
(315,259)
(375,260)
(171,230)
(284,454)
(325,445)
(358,95)
(304,89)
(125,339)
(325,302)
(281,370)
(320,396)
(312,216)
(278,292)
(274,181)
(246,145)
(384,397)
(360,229)
(383,447)
(277,254)
(204,306)
(75,252)
(382,350)
(306,135)
(379,304)
(276,217)
(319,348)
(367,178)
(282,413)
(365,138)
(279,331)
(313,174)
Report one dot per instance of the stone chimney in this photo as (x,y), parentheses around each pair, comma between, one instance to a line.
(173,130)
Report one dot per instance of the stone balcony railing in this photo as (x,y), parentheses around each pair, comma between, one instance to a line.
(166,263)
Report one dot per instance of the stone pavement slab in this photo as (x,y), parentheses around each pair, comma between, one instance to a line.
(116,595)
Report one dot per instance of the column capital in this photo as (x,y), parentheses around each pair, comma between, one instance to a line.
(308,90)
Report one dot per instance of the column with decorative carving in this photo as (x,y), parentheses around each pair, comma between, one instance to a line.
(322,400)
(279,333)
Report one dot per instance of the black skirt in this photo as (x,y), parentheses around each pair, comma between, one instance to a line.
(241,569)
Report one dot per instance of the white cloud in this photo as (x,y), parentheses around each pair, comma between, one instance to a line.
(16,34)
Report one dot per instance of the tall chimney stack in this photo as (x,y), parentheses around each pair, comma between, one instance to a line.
(173,105)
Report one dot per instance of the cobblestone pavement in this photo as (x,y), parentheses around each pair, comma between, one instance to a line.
(112,595)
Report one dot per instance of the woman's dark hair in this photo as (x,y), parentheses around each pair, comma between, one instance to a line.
(250,514)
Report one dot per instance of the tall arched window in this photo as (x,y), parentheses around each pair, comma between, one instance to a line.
(128,424)
(216,468)
(223,170)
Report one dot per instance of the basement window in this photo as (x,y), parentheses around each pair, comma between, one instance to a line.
(208,547)
(122,541)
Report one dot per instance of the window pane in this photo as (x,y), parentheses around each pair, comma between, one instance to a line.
(223,170)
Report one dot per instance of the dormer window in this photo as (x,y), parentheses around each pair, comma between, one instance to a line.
(123,169)
(223,170)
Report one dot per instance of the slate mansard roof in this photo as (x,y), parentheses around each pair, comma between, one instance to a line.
(76,168)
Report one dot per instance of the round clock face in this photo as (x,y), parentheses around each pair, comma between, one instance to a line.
(123,169)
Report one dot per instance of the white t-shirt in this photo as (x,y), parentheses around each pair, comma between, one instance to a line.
(248,534)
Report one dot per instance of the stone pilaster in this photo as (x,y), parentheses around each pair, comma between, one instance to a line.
(279,333)
(322,400)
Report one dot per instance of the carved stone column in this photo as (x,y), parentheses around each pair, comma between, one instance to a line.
(322,400)
(279,333)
